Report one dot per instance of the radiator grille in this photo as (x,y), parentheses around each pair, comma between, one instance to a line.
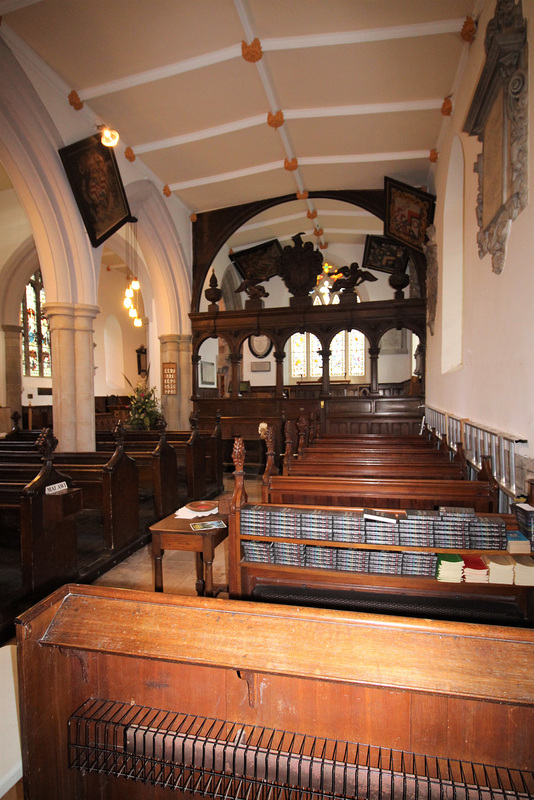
(222,759)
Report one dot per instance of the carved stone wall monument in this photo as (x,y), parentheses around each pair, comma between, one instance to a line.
(498,116)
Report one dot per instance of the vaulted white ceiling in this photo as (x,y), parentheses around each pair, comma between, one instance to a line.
(360,84)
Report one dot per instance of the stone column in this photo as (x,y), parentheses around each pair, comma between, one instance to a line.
(176,348)
(84,316)
(61,322)
(13,367)
(374,352)
(71,336)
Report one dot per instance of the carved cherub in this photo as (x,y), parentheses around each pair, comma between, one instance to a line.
(253,289)
(354,276)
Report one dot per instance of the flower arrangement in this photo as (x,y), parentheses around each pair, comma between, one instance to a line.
(144,407)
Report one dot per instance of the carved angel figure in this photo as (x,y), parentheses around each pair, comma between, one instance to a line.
(253,289)
(353,277)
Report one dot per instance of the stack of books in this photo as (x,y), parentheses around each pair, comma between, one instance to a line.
(255,520)
(419,564)
(417,528)
(475,570)
(289,553)
(487,533)
(524,513)
(517,542)
(352,560)
(381,527)
(321,557)
(452,529)
(258,551)
(501,568)
(284,522)
(315,524)
(348,526)
(450,568)
(524,570)
(385,562)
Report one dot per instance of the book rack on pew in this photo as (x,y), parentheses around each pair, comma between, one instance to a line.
(114,709)
(270,564)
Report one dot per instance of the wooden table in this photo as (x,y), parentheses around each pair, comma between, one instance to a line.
(173,533)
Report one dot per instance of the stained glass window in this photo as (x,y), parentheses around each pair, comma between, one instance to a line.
(347,355)
(356,349)
(337,356)
(347,348)
(298,355)
(36,352)
(316,360)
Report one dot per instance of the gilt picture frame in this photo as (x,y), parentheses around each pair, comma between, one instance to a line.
(97,187)
(409,212)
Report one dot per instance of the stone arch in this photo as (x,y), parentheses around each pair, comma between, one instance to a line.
(15,275)
(29,143)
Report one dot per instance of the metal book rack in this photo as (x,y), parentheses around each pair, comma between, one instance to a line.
(223,759)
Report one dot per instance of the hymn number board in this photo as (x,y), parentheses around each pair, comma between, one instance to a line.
(169,377)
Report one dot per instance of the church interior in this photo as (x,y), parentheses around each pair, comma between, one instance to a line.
(267,465)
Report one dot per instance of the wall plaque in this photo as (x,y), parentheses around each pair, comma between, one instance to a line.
(169,377)
(498,116)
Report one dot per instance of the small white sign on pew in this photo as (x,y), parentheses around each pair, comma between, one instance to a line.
(56,488)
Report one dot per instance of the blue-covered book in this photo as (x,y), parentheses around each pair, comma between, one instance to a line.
(517,542)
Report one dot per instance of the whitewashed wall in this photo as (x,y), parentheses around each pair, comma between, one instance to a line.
(493,382)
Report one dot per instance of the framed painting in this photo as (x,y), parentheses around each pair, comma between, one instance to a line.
(97,186)
(384,255)
(409,212)
(260,262)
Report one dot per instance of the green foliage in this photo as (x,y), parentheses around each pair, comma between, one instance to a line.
(144,407)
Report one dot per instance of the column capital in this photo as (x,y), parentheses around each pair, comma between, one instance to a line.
(69,315)
(181,341)
(12,328)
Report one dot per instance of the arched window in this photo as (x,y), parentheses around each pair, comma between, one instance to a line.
(347,355)
(347,348)
(36,353)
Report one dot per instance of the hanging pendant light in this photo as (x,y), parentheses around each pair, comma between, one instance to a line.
(108,137)
(131,297)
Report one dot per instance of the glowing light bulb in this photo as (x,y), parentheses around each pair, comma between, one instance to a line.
(132,312)
(127,302)
(138,322)
(135,284)
(129,292)
(108,137)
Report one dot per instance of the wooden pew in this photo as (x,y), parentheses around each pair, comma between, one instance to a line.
(356,695)
(421,463)
(271,559)
(374,469)
(46,522)
(157,468)
(107,484)
(198,454)
(380,492)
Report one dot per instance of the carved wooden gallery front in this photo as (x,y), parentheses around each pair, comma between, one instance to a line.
(258,329)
